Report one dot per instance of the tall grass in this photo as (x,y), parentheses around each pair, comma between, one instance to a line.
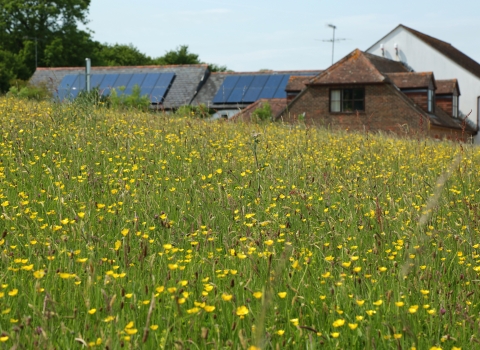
(138,230)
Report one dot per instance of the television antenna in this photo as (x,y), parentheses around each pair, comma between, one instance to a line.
(333,40)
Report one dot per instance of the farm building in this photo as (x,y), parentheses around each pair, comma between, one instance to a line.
(168,87)
(363,91)
(421,52)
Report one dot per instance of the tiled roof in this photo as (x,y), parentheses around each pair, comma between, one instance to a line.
(412,80)
(215,81)
(188,79)
(385,65)
(448,50)
(447,87)
(356,68)
(277,105)
(442,119)
(297,83)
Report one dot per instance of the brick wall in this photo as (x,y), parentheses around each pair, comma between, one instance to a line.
(445,103)
(386,109)
(419,98)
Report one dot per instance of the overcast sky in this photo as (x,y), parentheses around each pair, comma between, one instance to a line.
(248,35)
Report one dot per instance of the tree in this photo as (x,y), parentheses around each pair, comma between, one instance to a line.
(121,55)
(42,33)
(179,56)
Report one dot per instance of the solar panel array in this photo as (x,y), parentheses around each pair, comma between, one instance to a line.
(155,85)
(250,88)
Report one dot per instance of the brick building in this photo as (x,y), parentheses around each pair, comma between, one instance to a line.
(365,92)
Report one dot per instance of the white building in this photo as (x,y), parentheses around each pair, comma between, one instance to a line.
(423,53)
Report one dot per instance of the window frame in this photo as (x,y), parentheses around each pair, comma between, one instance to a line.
(342,100)
(430,101)
(455,106)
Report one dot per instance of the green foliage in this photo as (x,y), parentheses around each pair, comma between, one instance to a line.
(23,89)
(200,111)
(121,55)
(49,26)
(179,56)
(118,99)
(262,114)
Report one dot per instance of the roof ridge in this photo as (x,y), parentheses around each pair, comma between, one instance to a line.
(126,67)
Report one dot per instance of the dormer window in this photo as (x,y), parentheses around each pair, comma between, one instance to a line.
(347,100)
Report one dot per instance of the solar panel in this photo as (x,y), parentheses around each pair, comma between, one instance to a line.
(165,79)
(122,82)
(271,86)
(281,93)
(224,92)
(65,86)
(241,87)
(161,87)
(96,80)
(137,79)
(255,88)
(78,85)
(107,83)
(149,82)
(158,94)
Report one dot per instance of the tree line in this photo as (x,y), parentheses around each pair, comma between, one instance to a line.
(46,33)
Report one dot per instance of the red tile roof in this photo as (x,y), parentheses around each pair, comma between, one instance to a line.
(412,80)
(447,87)
(277,105)
(357,68)
(297,83)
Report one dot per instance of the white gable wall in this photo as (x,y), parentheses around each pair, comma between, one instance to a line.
(421,57)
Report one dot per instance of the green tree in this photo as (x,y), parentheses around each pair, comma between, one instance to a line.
(43,33)
(121,55)
(179,56)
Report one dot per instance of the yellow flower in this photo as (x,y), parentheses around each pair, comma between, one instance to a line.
(131,331)
(209,308)
(13,292)
(353,326)
(294,321)
(154,327)
(360,302)
(378,302)
(269,242)
(92,311)
(399,303)
(382,269)
(412,309)
(242,310)
(39,274)
(257,295)
(5,204)
(338,323)
(227,297)
(125,231)
(397,336)
(282,295)
(424,292)
(335,334)
(27,267)
(118,245)
(5,337)
(280,332)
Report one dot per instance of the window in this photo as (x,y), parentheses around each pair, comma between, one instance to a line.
(430,100)
(455,106)
(347,100)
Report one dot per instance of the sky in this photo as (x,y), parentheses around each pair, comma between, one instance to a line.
(249,35)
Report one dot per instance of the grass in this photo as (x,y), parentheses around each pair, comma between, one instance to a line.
(137,230)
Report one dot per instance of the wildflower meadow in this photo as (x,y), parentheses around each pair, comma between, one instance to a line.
(127,229)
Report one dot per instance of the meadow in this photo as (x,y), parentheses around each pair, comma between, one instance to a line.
(124,229)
